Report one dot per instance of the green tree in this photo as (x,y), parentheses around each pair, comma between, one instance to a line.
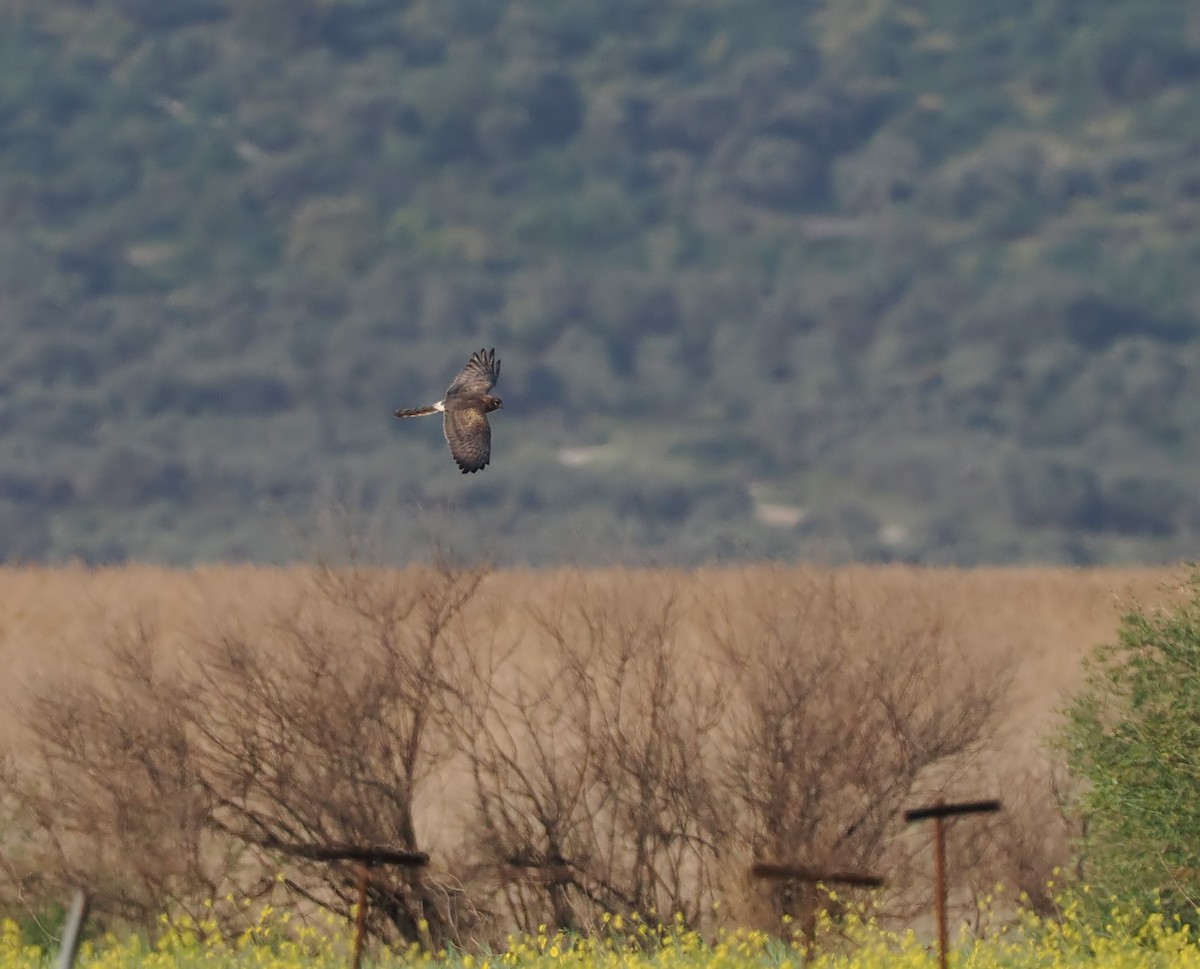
(1133,736)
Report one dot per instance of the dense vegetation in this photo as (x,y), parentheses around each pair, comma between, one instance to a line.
(1132,737)
(869,278)
(276,940)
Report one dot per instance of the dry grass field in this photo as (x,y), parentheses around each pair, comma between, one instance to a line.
(540,720)
(1041,620)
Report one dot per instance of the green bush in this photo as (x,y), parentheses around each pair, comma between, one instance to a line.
(1133,737)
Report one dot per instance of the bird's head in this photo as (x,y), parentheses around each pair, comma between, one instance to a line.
(492,403)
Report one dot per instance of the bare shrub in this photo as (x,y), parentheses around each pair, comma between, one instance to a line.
(315,730)
(529,748)
(325,736)
(1022,848)
(106,792)
(592,769)
(843,716)
(630,742)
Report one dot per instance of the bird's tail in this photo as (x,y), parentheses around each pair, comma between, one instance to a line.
(421,411)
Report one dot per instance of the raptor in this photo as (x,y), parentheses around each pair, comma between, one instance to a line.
(464,411)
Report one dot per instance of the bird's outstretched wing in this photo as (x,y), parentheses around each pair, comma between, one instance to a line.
(477,377)
(470,438)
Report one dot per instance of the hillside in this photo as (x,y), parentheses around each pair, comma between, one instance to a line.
(865,280)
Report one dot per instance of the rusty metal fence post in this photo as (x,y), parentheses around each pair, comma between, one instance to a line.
(939,812)
(776,871)
(367,858)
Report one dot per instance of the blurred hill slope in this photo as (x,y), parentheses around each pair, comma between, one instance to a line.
(859,280)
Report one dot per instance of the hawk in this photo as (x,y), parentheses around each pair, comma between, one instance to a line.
(465,409)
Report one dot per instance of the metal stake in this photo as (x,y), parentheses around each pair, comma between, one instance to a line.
(72,933)
(367,857)
(812,876)
(939,879)
(360,917)
(939,812)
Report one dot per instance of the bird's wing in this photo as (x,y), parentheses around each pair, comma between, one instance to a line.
(477,377)
(469,436)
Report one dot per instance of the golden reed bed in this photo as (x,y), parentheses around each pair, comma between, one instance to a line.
(1043,619)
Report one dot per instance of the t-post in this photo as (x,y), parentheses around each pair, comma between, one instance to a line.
(776,871)
(939,812)
(367,858)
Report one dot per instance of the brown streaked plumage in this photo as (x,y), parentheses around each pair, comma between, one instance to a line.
(465,408)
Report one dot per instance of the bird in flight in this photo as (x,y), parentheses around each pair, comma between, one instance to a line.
(464,411)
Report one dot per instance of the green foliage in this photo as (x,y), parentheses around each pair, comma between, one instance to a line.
(41,929)
(1134,737)
(238,234)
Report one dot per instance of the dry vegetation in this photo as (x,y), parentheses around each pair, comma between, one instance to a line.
(563,743)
